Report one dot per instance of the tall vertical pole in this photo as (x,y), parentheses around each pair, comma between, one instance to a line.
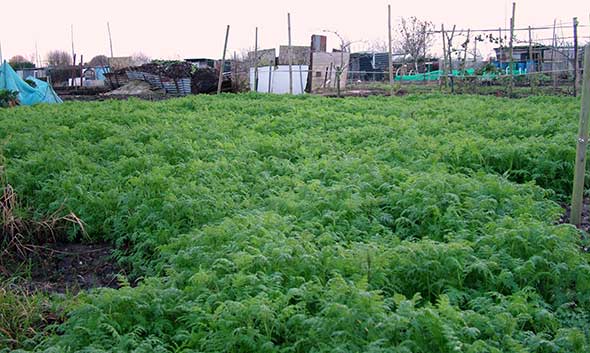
(220,81)
(450,56)
(256,60)
(580,168)
(37,56)
(553,48)
(390,59)
(235,72)
(502,51)
(290,55)
(475,49)
(271,64)
(72,32)
(511,43)
(531,61)
(575,56)
(1,60)
(443,80)
(110,38)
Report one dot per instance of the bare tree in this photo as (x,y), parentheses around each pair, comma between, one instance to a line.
(140,58)
(99,60)
(378,46)
(59,58)
(415,38)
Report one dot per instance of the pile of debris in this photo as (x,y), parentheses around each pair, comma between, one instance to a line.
(175,77)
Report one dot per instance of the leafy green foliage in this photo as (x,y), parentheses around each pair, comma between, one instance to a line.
(295,224)
(8,98)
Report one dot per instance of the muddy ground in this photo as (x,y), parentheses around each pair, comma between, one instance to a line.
(66,268)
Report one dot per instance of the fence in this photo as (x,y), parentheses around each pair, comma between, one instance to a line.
(528,60)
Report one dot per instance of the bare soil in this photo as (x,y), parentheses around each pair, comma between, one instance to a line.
(67,267)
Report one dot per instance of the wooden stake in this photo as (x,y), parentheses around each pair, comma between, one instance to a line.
(450,55)
(475,49)
(110,39)
(575,56)
(290,55)
(235,72)
(222,61)
(72,32)
(81,69)
(390,59)
(256,61)
(443,80)
(553,47)
(511,52)
(270,66)
(532,84)
(582,143)
(501,47)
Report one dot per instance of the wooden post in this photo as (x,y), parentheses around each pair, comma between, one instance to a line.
(338,81)
(222,61)
(1,59)
(450,55)
(390,59)
(511,43)
(256,61)
(290,55)
(575,56)
(475,49)
(234,70)
(501,44)
(81,69)
(110,38)
(72,32)
(73,70)
(270,66)
(582,143)
(530,75)
(443,80)
(553,46)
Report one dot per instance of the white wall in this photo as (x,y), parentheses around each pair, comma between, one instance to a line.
(280,79)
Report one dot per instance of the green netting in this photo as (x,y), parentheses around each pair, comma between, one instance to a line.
(435,75)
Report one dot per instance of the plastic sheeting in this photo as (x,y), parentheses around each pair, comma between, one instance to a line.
(27,95)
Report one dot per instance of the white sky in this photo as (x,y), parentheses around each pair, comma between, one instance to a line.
(184,28)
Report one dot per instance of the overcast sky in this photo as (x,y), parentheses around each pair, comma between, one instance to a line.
(189,28)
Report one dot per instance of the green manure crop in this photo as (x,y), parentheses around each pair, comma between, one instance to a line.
(265,223)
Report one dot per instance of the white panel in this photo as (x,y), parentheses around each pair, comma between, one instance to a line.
(280,79)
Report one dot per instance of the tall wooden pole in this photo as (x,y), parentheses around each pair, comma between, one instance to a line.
(256,61)
(554,46)
(575,56)
(390,58)
(450,56)
(475,49)
(290,55)
(580,168)
(72,33)
(443,80)
(511,43)
(222,61)
(1,59)
(502,50)
(110,39)
(531,61)
(271,64)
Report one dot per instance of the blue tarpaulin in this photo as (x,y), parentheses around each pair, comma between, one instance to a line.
(27,95)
